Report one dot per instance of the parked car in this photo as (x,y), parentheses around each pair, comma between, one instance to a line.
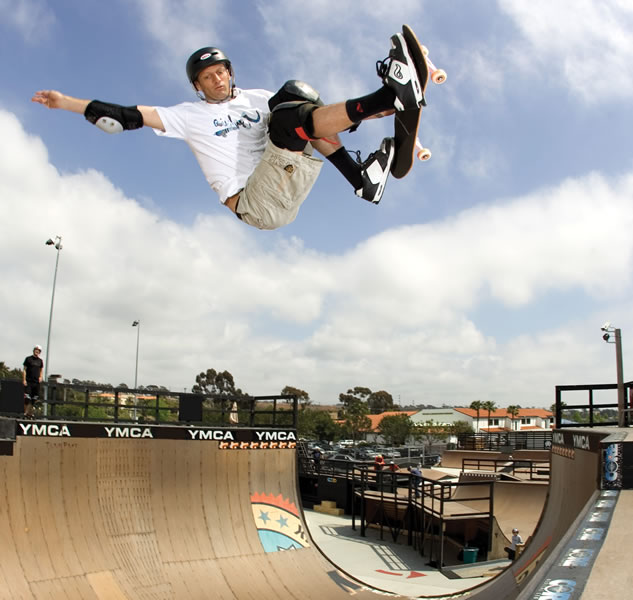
(340,456)
(366,454)
(389,453)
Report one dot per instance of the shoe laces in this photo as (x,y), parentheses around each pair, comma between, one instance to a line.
(382,67)
(357,156)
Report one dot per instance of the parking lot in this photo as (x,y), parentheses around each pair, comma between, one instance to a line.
(363,453)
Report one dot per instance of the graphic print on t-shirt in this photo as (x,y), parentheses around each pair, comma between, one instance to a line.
(225,126)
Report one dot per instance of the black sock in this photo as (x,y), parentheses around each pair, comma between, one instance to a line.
(348,167)
(372,104)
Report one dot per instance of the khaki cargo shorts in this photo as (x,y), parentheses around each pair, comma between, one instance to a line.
(277,188)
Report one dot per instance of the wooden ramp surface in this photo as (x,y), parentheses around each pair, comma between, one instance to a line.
(516,504)
(147,519)
(150,519)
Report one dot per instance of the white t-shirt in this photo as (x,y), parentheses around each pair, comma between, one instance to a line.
(228,139)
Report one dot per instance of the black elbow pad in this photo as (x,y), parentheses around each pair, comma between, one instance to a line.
(113,118)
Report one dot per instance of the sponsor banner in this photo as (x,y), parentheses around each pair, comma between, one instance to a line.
(557,589)
(242,438)
(578,440)
(612,466)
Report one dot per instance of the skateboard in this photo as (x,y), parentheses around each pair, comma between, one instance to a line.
(407,121)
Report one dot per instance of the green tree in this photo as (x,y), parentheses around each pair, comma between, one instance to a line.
(513,411)
(430,432)
(302,397)
(459,427)
(489,406)
(7,372)
(317,425)
(354,413)
(357,393)
(216,383)
(380,402)
(477,405)
(221,386)
(395,429)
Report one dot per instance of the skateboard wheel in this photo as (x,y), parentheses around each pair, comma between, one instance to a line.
(425,50)
(438,76)
(424,154)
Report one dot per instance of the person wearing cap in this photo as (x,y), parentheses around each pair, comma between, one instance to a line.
(516,540)
(31,378)
(379,463)
(416,481)
(254,146)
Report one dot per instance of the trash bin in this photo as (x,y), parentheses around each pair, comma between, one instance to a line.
(470,554)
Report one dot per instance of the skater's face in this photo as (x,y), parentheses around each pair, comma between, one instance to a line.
(214,82)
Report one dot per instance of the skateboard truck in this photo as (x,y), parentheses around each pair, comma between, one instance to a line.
(438,76)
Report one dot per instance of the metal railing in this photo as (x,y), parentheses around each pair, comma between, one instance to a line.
(94,403)
(534,470)
(505,441)
(592,410)
(404,502)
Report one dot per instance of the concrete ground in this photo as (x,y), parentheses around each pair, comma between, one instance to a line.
(389,566)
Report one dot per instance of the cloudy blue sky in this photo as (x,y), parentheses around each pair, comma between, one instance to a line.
(485,274)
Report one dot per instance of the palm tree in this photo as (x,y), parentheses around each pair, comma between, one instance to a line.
(489,406)
(477,405)
(513,411)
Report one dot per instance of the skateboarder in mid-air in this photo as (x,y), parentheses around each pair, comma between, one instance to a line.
(253,146)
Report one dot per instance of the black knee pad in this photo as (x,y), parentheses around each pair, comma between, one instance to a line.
(291,125)
(293,90)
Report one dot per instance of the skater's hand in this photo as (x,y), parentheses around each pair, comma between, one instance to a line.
(55,99)
(49,98)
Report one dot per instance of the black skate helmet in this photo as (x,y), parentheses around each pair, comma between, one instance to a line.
(203,58)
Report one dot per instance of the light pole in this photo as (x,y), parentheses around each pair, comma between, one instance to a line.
(136,324)
(617,340)
(57,244)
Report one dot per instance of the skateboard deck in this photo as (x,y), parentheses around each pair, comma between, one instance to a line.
(407,121)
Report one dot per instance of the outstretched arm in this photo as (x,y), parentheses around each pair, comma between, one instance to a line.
(55,99)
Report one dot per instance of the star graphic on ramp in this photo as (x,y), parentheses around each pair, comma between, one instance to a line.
(264,516)
(283,522)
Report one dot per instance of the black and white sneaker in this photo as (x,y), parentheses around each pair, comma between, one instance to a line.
(398,72)
(375,170)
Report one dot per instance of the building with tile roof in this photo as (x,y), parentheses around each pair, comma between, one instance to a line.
(536,419)
(528,419)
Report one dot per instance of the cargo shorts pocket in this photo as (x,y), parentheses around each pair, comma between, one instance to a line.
(279,182)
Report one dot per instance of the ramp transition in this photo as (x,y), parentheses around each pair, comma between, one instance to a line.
(92,511)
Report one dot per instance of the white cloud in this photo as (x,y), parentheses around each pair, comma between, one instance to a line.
(179,28)
(32,18)
(306,38)
(588,43)
(393,313)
